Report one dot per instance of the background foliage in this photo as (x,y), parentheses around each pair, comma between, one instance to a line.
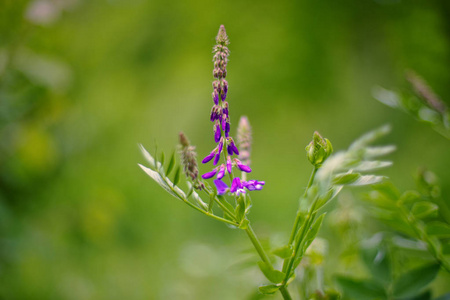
(82,82)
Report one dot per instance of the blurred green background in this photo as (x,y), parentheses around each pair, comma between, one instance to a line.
(83,82)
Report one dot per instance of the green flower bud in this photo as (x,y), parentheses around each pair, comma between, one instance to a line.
(318,150)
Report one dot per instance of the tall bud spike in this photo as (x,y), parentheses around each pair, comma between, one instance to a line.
(189,160)
(244,139)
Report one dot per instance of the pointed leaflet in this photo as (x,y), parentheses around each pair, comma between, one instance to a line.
(159,180)
(176,178)
(361,289)
(424,209)
(269,289)
(171,164)
(274,276)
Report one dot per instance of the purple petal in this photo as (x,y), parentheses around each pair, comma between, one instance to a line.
(216,158)
(209,174)
(244,168)
(221,186)
(208,157)
(227,128)
(229,165)
(224,122)
(221,172)
(217,133)
(236,184)
(215,96)
(220,146)
(230,150)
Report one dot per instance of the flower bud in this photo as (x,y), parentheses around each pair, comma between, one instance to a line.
(318,150)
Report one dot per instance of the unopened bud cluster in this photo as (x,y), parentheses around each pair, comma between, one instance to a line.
(318,150)
(189,160)
(244,139)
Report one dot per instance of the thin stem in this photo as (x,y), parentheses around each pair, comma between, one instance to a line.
(257,244)
(297,219)
(306,225)
(285,293)
(223,207)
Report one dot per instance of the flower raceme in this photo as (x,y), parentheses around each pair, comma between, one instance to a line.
(221,128)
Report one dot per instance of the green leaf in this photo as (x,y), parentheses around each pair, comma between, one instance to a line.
(388,190)
(372,152)
(366,166)
(377,261)
(148,157)
(196,197)
(367,180)
(347,178)
(414,281)
(424,209)
(370,137)
(159,180)
(274,276)
(438,229)
(312,233)
(176,178)
(361,289)
(409,197)
(283,252)
(269,289)
(171,164)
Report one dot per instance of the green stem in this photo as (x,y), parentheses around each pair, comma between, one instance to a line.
(285,293)
(257,244)
(300,241)
(298,217)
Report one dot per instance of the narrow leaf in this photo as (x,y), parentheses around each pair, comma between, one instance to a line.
(162,158)
(283,252)
(312,233)
(176,178)
(366,166)
(343,179)
(409,197)
(414,281)
(156,177)
(274,276)
(367,180)
(171,164)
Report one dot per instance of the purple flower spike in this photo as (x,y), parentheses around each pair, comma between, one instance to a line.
(209,174)
(229,165)
(208,157)
(221,186)
(217,133)
(221,172)
(242,167)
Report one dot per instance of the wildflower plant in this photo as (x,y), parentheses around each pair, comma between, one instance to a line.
(225,191)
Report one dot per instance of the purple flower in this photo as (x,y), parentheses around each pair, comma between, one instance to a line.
(208,157)
(224,121)
(221,172)
(236,186)
(221,186)
(217,157)
(252,185)
(242,167)
(229,165)
(232,147)
(215,96)
(209,174)
(217,133)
